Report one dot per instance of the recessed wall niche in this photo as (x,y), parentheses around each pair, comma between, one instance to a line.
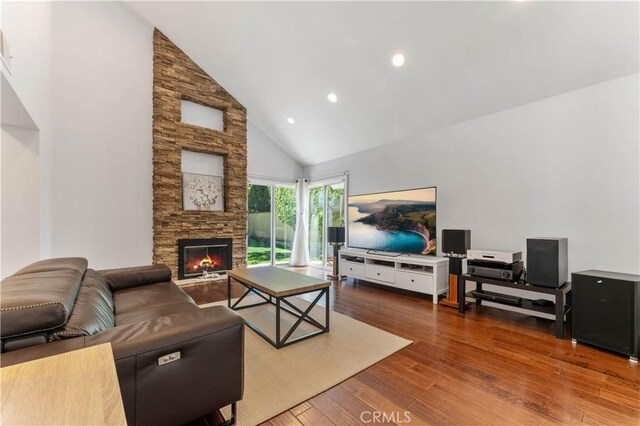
(201,115)
(202,181)
(176,78)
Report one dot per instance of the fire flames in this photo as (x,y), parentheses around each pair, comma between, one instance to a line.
(205,264)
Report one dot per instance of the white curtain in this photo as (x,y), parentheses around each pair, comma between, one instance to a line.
(300,250)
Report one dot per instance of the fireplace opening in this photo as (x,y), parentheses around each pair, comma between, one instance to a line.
(199,257)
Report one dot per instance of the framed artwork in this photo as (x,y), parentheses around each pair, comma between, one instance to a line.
(202,192)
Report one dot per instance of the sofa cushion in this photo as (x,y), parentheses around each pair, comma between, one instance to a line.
(78,264)
(150,301)
(123,278)
(93,310)
(155,312)
(95,280)
(37,301)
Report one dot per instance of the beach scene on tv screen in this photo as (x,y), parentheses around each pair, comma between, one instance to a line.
(401,221)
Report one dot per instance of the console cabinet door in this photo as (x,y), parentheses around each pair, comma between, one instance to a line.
(352,269)
(382,273)
(414,282)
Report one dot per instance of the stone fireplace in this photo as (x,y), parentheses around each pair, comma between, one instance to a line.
(176,78)
(204,255)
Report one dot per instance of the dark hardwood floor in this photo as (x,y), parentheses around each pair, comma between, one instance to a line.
(488,367)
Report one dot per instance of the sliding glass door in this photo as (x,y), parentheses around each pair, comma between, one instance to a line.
(285,222)
(335,212)
(326,208)
(259,227)
(271,223)
(316,224)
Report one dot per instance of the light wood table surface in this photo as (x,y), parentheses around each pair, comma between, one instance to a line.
(75,388)
(278,282)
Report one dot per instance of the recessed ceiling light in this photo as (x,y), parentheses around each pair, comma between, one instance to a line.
(290,120)
(333,98)
(397,60)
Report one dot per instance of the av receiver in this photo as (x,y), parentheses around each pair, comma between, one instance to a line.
(504,271)
(495,256)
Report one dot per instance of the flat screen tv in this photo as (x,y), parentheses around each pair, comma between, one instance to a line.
(399,222)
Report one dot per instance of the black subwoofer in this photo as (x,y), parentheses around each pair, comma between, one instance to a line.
(605,310)
(547,262)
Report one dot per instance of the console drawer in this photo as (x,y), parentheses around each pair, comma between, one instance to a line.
(382,273)
(414,282)
(352,268)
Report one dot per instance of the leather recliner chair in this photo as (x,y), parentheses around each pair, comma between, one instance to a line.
(58,305)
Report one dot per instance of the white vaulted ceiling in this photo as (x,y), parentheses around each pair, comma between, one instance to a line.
(463,60)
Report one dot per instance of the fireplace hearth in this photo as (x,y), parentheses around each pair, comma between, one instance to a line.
(203,255)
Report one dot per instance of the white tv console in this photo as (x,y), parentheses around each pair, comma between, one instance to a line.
(423,274)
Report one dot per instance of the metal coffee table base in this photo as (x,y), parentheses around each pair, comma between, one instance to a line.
(282,304)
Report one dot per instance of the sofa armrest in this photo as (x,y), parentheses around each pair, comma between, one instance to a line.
(122,278)
(208,374)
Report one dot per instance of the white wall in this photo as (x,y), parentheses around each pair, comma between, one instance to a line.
(85,69)
(20,226)
(27,27)
(565,166)
(101,205)
(201,115)
(267,159)
(204,164)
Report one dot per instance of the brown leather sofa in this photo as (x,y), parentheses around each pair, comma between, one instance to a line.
(58,305)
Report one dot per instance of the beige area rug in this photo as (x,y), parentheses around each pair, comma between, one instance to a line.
(276,380)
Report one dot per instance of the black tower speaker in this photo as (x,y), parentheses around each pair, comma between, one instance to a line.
(606,310)
(456,241)
(547,262)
